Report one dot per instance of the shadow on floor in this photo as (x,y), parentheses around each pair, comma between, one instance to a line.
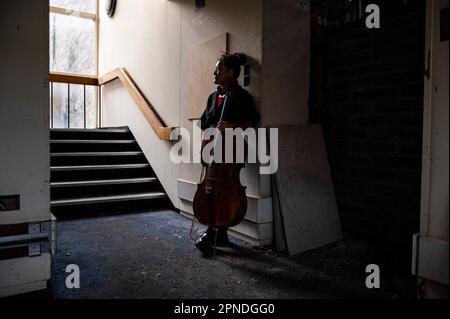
(150,255)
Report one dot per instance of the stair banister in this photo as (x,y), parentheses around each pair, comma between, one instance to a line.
(159,127)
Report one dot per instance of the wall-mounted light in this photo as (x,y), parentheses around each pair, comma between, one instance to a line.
(200,4)
(110,7)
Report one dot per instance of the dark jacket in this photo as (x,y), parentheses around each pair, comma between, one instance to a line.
(240,110)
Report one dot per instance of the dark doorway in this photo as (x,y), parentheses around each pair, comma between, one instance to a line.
(367,92)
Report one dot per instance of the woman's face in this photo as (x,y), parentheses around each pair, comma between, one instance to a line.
(222,74)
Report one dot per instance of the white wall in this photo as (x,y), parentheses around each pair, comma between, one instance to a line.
(431,261)
(435,209)
(24,109)
(285,80)
(144,37)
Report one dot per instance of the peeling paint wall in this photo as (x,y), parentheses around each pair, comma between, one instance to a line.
(24,109)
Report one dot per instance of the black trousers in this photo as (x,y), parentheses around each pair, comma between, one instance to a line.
(221,230)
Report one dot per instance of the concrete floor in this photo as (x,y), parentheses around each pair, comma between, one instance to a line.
(150,255)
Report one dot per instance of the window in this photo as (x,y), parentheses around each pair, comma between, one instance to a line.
(73,106)
(88,6)
(73,36)
(73,49)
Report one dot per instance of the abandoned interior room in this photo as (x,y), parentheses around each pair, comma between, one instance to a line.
(103,106)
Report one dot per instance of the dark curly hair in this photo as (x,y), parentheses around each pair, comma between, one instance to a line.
(234,62)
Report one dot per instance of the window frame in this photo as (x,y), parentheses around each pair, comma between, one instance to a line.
(83,15)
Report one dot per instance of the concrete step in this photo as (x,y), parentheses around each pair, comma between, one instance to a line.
(97,172)
(107,199)
(88,134)
(92,154)
(103,182)
(92,141)
(97,167)
(89,130)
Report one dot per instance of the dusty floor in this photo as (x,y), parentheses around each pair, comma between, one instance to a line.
(150,255)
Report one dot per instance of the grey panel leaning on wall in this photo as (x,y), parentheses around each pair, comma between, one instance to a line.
(307,204)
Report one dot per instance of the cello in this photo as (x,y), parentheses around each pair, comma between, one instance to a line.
(220,199)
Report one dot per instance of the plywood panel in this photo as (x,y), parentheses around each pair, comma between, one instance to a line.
(201,64)
(305,190)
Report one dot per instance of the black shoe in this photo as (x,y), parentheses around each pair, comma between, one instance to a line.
(205,241)
(208,239)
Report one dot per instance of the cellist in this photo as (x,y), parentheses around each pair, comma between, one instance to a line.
(240,112)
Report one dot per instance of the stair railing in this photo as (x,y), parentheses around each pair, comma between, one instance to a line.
(158,125)
(69,79)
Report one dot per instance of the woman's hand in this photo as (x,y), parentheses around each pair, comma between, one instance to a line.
(223,125)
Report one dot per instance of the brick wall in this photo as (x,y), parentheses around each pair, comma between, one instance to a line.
(372,118)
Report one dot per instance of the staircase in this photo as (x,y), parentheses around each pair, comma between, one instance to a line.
(100,172)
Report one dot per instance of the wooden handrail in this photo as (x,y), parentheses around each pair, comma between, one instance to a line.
(157,124)
(69,12)
(71,78)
